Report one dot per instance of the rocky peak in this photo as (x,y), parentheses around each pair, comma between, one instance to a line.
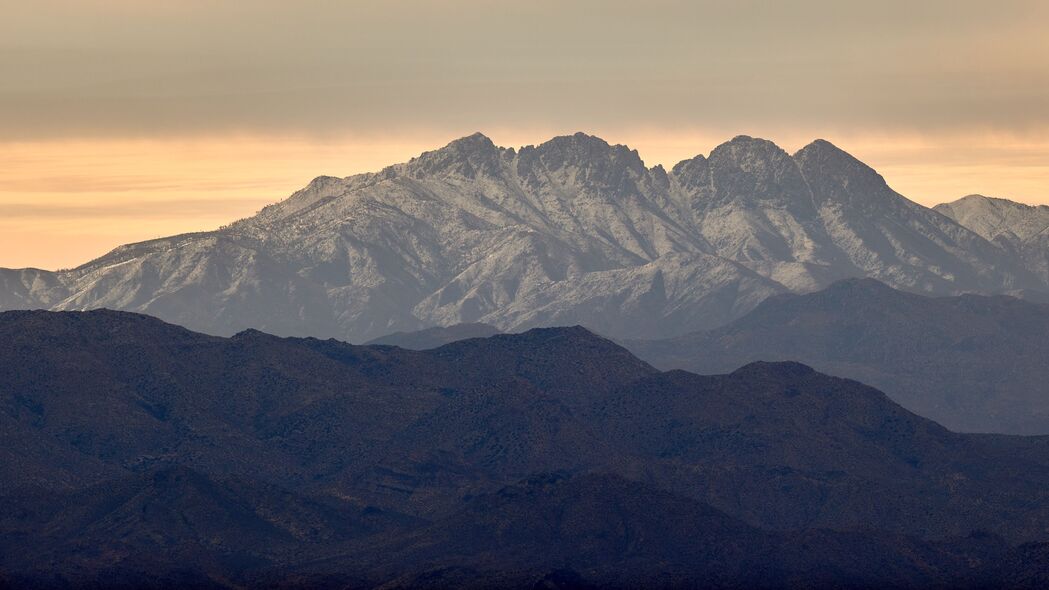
(828,152)
(756,171)
(995,218)
(591,159)
(572,230)
(992,201)
(468,157)
(693,174)
(834,174)
(580,149)
(983,203)
(823,155)
(319,189)
(744,149)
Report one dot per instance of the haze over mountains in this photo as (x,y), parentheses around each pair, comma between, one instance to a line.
(572,231)
(972,363)
(1022,229)
(133,452)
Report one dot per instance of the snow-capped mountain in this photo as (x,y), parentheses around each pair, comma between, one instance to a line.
(572,231)
(1018,228)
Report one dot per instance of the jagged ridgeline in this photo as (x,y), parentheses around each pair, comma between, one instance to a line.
(572,231)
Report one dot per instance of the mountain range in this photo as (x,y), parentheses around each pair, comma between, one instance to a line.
(1018,228)
(572,231)
(428,338)
(972,363)
(140,454)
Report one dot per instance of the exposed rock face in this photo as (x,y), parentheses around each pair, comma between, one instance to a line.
(571,231)
(1015,227)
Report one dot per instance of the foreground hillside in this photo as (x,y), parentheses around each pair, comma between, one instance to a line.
(572,231)
(138,453)
(972,363)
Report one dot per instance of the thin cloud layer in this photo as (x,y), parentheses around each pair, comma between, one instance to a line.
(240,103)
(110,68)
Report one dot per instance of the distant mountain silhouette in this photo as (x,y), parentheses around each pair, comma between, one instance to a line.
(434,337)
(139,453)
(571,231)
(972,363)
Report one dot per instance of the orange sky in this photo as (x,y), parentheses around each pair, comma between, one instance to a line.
(65,202)
(122,120)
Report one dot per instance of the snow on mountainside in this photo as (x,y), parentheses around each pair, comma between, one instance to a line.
(572,231)
(1022,229)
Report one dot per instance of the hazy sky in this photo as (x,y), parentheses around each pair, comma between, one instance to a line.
(124,119)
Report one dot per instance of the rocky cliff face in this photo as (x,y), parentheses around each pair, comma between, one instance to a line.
(572,231)
(1022,230)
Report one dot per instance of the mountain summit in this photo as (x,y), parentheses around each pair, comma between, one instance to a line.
(1018,228)
(571,231)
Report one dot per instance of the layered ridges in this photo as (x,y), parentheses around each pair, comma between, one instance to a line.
(135,449)
(971,362)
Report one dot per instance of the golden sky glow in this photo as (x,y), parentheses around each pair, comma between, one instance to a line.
(122,120)
(65,202)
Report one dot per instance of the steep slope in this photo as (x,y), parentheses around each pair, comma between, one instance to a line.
(972,363)
(30,288)
(823,214)
(572,231)
(895,240)
(1022,229)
